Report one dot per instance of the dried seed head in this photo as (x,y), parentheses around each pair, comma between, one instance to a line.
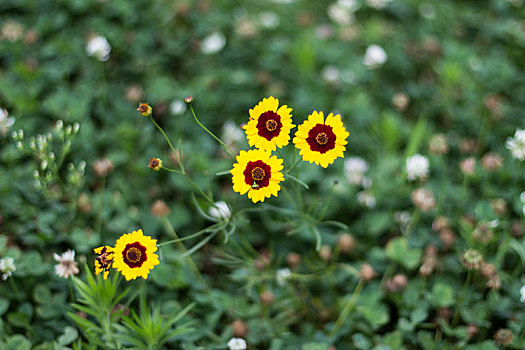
(499,206)
(440,223)
(367,272)
(472,259)
(483,233)
(503,337)
(159,209)
(488,270)
(346,243)
(325,253)
(400,281)
(491,161)
(84,204)
(494,282)
(448,237)
(438,144)
(468,166)
(267,297)
(472,330)
(400,101)
(293,259)
(423,199)
(102,167)
(516,228)
(240,329)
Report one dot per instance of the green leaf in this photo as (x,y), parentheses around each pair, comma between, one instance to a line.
(18,342)
(4,305)
(417,137)
(69,336)
(376,314)
(315,346)
(398,250)
(442,295)
(418,315)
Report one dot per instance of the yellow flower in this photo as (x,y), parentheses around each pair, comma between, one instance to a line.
(321,141)
(104,260)
(258,173)
(135,255)
(269,127)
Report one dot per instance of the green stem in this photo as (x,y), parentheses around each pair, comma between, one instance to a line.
(99,220)
(348,307)
(226,148)
(327,202)
(173,170)
(165,136)
(170,228)
(294,164)
(461,298)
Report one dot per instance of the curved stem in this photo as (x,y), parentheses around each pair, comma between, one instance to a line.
(461,298)
(348,307)
(226,148)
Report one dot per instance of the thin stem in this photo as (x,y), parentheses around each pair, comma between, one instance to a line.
(226,148)
(164,134)
(196,234)
(327,202)
(294,164)
(348,307)
(170,228)
(173,170)
(99,220)
(461,298)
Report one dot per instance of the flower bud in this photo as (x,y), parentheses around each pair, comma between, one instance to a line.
(188,100)
(346,243)
(267,297)
(155,164)
(145,109)
(293,259)
(240,329)
(367,272)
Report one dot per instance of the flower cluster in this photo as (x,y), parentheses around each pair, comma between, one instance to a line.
(133,255)
(320,140)
(7,267)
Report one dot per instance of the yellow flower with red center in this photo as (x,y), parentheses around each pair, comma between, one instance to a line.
(320,140)
(134,255)
(269,126)
(155,164)
(258,173)
(104,260)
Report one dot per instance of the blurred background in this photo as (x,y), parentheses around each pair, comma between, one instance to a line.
(400,72)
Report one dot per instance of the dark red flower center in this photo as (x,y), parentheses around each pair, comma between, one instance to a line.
(269,125)
(257,174)
(134,254)
(321,138)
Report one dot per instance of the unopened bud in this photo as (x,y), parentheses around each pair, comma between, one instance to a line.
(155,164)
(145,109)
(188,100)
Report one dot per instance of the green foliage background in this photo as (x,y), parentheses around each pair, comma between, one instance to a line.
(447,56)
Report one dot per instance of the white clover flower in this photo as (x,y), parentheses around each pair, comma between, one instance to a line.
(269,20)
(366,199)
(220,211)
(331,74)
(378,4)
(282,276)
(417,167)
(516,144)
(237,344)
(355,169)
(7,267)
(374,57)
(67,266)
(98,47)
(352,5)
(5,122)
(232,134)
(340,14)
(213,43)
(402,217)
(177,107)
(522,294)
